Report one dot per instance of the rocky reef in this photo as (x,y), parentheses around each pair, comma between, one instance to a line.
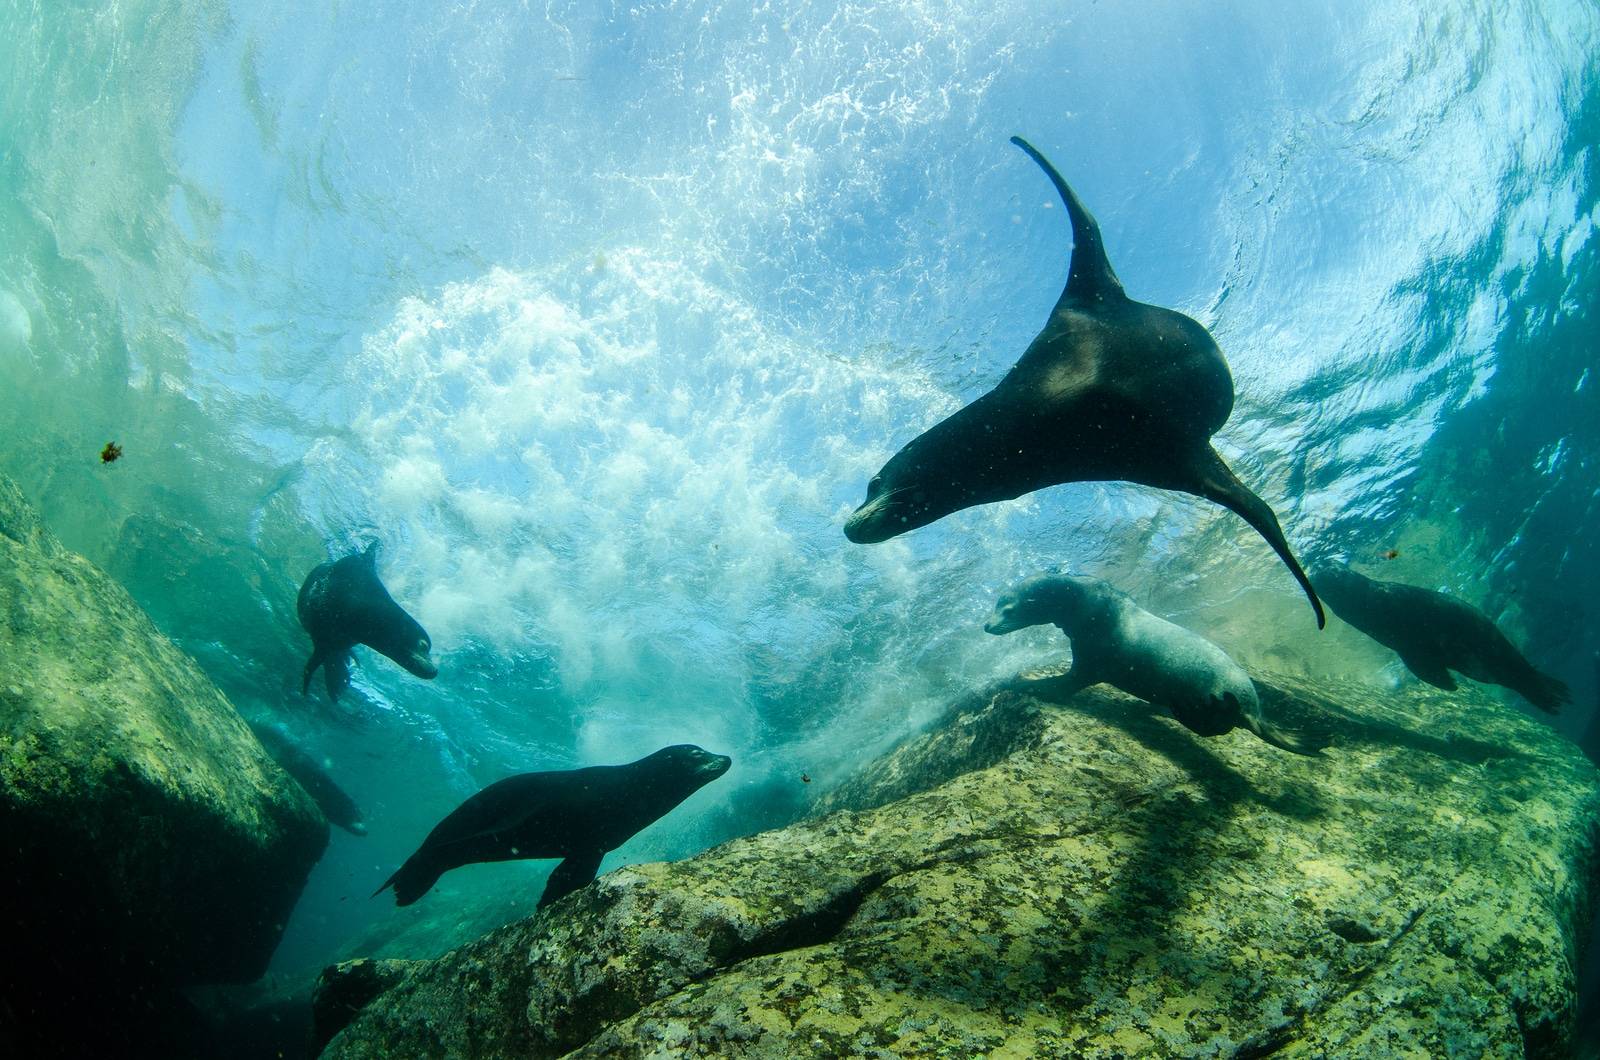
(150,841)
(1088,879)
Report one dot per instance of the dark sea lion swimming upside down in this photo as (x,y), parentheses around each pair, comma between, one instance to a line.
(342,603)
(1111,389)
(574,814)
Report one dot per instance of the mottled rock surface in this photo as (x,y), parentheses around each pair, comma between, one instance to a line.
(148,838)
(1089,879)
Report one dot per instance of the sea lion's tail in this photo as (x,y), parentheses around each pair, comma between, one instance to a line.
(411,881)
(1307,741)
(1547,693)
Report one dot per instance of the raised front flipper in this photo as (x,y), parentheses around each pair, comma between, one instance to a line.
(1435,673)
(575,871)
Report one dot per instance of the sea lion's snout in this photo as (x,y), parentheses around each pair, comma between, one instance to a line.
(419,662)
(1004,618)
(713,766)
(886,513)
(866,524)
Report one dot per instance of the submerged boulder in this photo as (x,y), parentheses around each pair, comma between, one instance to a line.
(149,840)
(1080,879)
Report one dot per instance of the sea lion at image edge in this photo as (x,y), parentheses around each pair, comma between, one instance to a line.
(341,604)
(1111,389)
(1119,643)
(577,815)
(1434,633)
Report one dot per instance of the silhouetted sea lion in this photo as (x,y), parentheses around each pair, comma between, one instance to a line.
(574,814)
(342,603)
(1119,643)
(1435,633)
(1110,389)
(334,802)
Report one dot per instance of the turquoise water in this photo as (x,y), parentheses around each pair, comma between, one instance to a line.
(600,317)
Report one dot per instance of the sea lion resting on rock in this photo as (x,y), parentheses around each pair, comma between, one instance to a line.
(342,603)
(1435,633)
(1119,643)
(574,814)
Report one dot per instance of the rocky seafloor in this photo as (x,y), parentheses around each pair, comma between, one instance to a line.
(150,842)
(1088,879)
(1024,878)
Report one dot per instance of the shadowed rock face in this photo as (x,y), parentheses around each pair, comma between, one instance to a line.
(149,840)
(1075,879)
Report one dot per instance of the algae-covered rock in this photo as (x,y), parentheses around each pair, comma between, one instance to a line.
(1086,879)
(148,837)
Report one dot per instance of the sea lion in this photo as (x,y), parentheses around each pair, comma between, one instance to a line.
(1119,643)
(342,603)
(1110,389)
(1435,633)
(573,814)
(336,805)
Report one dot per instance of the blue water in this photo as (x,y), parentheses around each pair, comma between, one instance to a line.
(600,317)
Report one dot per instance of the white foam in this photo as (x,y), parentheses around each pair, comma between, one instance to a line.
(625,474)
(16,325)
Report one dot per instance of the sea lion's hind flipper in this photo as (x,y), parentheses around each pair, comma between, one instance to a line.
(1433,672)
(1214,481)
(413,879)
(573,872)
(1308,740)
(1090,277)
(1547,693)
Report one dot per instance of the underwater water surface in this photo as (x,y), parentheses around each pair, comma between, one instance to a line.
(600,317)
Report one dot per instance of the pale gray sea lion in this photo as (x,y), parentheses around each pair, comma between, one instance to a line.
(1119,643)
